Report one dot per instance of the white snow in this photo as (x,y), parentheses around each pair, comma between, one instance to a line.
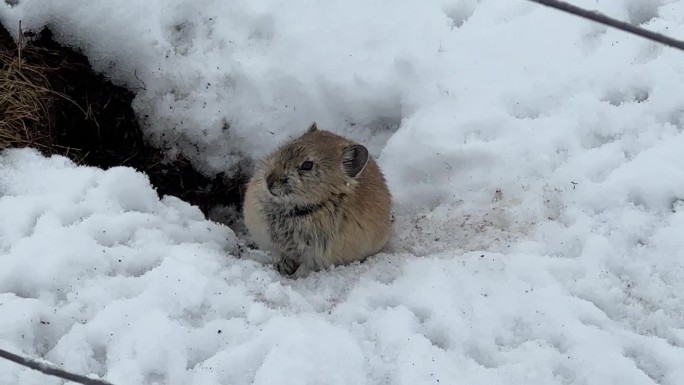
(535,159)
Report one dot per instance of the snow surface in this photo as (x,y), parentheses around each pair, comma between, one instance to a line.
(535,159)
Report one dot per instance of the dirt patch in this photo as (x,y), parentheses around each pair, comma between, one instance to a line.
(90,120)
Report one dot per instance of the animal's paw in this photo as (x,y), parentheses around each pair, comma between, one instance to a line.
(302,271)
(286,266)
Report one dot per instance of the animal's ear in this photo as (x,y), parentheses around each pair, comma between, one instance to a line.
(313,127)
(354,159)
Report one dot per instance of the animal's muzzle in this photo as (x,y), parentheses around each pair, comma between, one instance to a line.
(275,184)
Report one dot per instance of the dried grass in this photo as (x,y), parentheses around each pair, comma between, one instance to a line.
(25,100)
(25,97)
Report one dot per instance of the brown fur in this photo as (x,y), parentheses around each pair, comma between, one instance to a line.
(317,218)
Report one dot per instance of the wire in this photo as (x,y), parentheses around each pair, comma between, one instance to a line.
(609,21)
(51,370)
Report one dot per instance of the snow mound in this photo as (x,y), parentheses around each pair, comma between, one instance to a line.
(224,81)
(101,276)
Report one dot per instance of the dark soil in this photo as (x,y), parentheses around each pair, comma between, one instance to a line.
(97,127)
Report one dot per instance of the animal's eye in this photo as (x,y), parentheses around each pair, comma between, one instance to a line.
(306,166)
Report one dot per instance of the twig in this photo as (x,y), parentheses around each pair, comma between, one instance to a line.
(51,369)
(20,45)
(135,73)
(609,21)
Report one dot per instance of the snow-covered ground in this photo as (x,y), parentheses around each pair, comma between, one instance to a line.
(537,165)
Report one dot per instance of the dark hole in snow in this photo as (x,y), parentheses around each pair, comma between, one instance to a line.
(98,127)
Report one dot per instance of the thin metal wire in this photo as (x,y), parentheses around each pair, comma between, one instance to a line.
(609,21)
(50,370)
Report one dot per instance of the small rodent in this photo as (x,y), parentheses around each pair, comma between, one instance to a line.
(317,201)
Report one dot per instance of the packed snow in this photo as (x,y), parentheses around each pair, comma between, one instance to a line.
(535,161)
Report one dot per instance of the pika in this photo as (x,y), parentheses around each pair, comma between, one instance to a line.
(318,201)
